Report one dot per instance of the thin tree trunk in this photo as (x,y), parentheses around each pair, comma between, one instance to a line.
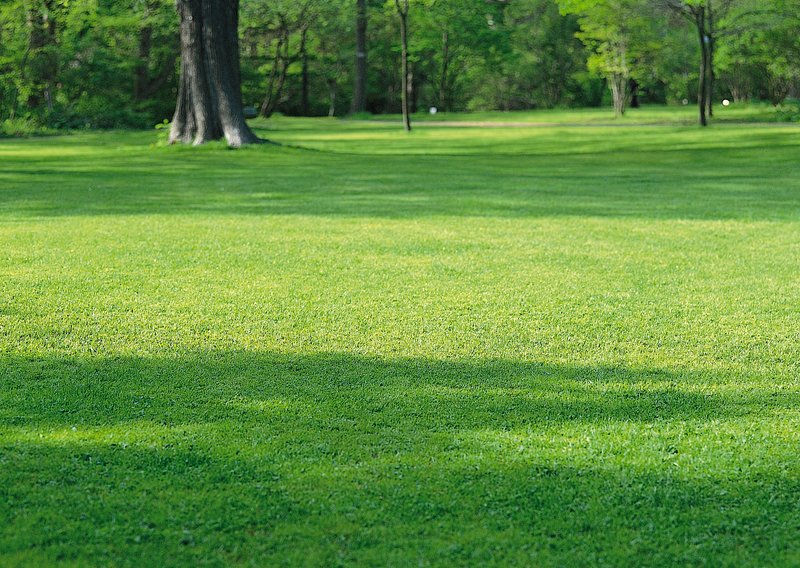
(443,98)
(619,92)
(266,105)
(154,84)
(305,105)
(285,62)
(697,14)
(281,69)
(413,106)
(633,86)
(702,90)
(145,86)
(35,43)
(402,11)
(141,79)
(332,98)
(42,34)
(209,103)
(360,87)
(711,80)
(618,77)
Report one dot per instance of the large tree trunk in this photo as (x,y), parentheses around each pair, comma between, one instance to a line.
(210,96)
(360,87)
(402,11)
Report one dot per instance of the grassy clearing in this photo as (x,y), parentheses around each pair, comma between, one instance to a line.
(647,114)
(546,345)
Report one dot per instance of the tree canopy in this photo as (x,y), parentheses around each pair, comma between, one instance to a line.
(103,63)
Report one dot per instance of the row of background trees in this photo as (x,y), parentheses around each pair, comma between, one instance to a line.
(108,63)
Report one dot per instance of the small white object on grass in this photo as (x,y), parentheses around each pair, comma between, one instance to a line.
(726,102)
(434,110)
(685,101)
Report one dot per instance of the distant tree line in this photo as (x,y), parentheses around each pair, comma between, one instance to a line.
(111,63)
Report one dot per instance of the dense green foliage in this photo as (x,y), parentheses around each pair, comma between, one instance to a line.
(88,63)
(545,345)
(102,63)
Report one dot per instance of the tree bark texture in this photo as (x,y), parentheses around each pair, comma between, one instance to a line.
(209,103)
(619,92)
(360,86)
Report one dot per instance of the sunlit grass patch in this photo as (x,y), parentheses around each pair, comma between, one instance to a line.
(536,346)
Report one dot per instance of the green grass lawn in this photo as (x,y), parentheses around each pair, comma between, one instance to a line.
(647,114)
(545,346)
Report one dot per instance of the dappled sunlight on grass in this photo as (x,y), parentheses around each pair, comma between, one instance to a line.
(477,449)
(727,172)
(539,141)
(545,346)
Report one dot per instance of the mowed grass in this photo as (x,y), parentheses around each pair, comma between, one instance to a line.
(646,114)
(551,346)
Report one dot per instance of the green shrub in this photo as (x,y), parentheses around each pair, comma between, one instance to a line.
(20,127)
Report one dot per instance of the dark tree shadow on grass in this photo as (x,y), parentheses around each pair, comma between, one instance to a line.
(705,183)
(201,387)
(228,457)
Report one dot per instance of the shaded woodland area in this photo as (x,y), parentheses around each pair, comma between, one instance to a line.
(104,63)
